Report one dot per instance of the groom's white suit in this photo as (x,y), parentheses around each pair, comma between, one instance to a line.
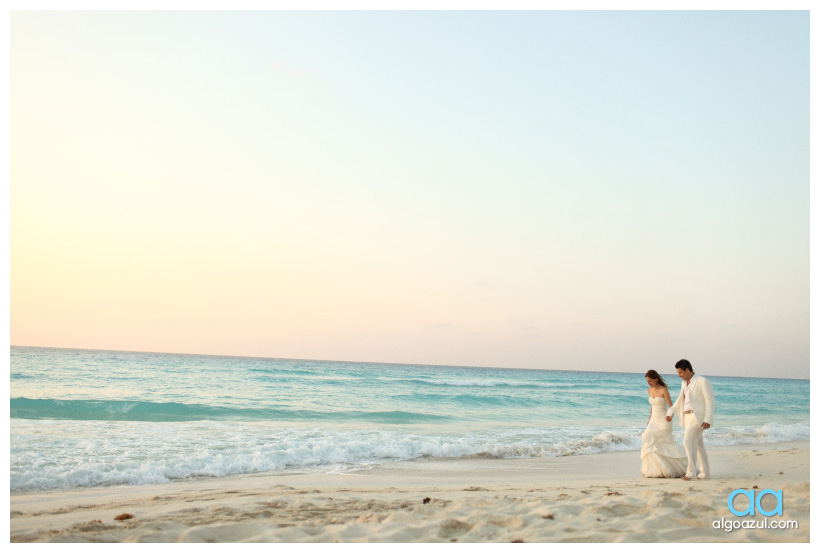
(701,398)
(702,403)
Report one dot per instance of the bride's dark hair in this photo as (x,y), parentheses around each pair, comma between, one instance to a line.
(654,374)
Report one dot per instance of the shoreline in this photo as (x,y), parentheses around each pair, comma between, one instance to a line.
(587,498)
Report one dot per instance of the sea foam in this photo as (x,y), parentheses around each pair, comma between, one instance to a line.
(146,453)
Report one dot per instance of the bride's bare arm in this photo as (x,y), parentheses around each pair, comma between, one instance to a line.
(667,397)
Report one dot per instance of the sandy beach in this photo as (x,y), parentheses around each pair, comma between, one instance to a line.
(586,498)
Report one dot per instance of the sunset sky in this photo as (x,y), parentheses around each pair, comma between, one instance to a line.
(555,190)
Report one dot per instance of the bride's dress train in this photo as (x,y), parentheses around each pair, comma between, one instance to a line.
(661,456)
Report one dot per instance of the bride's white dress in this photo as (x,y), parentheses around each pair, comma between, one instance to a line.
(661,456)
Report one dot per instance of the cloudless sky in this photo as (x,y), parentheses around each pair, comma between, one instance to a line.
(556,190)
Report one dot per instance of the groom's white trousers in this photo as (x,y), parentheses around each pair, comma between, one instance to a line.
(695,451)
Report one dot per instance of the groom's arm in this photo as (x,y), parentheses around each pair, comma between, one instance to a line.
(674,407)
(709,399)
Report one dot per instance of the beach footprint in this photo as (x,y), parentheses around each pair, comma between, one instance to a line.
(454,528)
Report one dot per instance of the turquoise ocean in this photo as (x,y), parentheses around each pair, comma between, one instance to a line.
(82,418)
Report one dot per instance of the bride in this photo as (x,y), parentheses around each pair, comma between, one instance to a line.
(661,456)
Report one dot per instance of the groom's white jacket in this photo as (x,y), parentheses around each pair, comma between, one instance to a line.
(701,398)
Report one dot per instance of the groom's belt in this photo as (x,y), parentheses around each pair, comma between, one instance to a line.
(688,412)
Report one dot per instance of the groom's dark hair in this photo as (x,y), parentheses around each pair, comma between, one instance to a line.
(685,365)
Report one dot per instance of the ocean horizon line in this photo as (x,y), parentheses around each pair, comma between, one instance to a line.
(402,364)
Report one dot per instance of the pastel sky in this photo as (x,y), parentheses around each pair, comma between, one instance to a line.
(557,190)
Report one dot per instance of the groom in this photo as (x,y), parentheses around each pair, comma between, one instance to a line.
(695,407)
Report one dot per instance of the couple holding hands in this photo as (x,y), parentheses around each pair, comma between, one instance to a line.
(661,456)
